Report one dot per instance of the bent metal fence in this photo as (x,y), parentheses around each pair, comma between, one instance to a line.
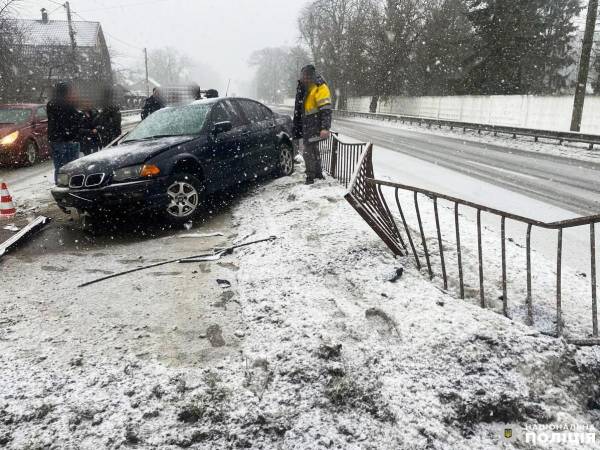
(367,198)
(340,158)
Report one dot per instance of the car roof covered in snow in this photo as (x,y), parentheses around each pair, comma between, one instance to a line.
(56,32)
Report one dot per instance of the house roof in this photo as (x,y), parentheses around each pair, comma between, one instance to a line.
(56,32)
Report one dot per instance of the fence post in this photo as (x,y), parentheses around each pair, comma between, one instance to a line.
(334,151)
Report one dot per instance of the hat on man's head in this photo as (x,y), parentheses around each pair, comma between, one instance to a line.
(309,69)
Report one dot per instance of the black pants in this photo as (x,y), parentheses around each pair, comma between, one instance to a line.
(312,160)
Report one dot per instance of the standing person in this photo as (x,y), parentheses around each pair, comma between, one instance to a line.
(316,119)
(297,124)
(152,103)
(108,122)
(88,139)
(64,125)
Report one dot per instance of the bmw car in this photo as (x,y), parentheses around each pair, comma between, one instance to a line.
(176,156)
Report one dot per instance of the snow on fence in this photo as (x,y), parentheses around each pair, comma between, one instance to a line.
(445,256)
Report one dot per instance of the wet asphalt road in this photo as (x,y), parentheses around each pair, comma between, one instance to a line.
(570,184)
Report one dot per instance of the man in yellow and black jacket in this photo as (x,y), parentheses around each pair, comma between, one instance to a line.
(312,119)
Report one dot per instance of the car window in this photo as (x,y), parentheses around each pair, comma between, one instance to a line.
(251,111)
(265,112)
(14,115)
(236,119)
(182,121)
(219,114)
(41,113)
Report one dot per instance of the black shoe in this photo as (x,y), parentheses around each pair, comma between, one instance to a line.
(320,177)
(309,181)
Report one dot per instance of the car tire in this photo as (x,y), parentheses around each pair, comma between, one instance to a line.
(285,164)
(186,194)
(32,154)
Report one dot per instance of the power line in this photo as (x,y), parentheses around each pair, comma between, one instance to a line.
(125,5)
(137,47)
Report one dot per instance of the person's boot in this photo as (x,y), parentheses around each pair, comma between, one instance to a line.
(320,176)
(310,181)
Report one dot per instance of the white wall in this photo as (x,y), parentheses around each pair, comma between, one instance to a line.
(541,112)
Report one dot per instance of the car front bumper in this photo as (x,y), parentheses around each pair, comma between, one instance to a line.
(123,197)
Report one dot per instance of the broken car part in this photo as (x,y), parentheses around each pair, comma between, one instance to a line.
(26,232)
(215,255)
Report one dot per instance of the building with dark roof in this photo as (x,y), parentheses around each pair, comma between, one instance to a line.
(54,50)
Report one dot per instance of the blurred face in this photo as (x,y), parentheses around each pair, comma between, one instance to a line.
(72,96)
(307,78)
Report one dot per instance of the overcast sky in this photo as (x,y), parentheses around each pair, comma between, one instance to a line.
(221,33)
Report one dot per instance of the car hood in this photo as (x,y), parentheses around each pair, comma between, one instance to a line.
(123,155)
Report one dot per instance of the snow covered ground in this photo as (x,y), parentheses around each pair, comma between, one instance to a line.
(311,347)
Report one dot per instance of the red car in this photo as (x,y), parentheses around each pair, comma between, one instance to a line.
(23,134)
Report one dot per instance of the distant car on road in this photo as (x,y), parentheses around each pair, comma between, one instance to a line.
(23,134)
(171,160)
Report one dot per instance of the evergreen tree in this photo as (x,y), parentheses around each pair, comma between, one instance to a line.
(445,46)
(521,46)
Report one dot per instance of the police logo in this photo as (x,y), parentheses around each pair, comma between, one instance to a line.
(508,433)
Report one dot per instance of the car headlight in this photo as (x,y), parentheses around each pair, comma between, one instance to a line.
(127,173)
(135,172)
(10,138)
(62,180)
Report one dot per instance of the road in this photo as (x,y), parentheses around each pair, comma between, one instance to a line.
(569,184)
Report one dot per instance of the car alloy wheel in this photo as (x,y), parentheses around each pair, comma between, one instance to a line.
(286,161)
(183,199)
(31,152)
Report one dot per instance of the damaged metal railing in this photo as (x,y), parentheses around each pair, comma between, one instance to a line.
(340,158)
(365,194)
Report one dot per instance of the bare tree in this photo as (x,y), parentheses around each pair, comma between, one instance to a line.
(335,33)
(277,69)
(169,66)
(10,65)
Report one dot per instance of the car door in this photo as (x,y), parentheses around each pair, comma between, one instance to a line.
(225,165)
(263,141)
(40,130)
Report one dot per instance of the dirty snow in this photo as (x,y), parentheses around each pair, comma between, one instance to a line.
(311,347)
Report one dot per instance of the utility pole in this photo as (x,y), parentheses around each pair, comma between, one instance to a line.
(146,63)
(584,65)
(70,21)
(72,35)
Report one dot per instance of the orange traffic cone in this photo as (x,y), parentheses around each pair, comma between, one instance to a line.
(7,207)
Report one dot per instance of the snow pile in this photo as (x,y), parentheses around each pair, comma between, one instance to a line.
(327,353)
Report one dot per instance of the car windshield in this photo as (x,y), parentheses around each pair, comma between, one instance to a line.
(181,121)
(14,115)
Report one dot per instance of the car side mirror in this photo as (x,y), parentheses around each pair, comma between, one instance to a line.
(221,127)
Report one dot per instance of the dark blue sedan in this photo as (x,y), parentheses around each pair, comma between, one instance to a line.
(178,155)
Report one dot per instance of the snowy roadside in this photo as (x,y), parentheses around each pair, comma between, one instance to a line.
(570,150)
(320,350)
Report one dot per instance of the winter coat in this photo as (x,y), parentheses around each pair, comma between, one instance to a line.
(64,122)
(298,111)
(152,104)
(90,142)
(316,109)
(108,124)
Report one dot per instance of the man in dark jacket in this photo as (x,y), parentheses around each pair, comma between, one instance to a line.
(108,121)
(64,125)
(314,113)
(298,111)
(152,103)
